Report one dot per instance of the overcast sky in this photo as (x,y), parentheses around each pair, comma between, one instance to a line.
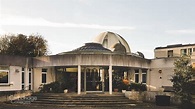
(68,24)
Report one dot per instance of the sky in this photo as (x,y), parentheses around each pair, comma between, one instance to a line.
(69,24)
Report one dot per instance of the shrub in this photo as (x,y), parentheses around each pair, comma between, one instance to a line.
(55,87)
(137,87)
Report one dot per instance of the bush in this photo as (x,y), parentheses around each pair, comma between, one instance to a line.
(55,87)
(137,87)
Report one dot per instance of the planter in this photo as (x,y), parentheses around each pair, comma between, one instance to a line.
(115,90)
(66,91)
(162,100)
(123,91)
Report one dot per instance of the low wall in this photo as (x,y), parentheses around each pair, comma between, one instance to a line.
(149,96)
(7,96)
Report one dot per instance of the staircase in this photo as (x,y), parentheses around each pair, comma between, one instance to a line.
(84,100)
(193,100)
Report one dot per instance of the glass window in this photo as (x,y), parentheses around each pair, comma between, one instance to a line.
(22,77)
(3,76)
(136,77)
(183,51)
(44,75)
(43,78)
(193,49)
(29,77)
(170,53)
(4,72)
(189,51)
(44,70)
(30,87)
(144,77)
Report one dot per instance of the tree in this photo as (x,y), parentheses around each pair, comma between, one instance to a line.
(22,45)
(183,74)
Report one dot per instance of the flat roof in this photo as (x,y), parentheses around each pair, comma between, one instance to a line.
(175,46)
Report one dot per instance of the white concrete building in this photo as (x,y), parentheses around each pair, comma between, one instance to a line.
(90,68)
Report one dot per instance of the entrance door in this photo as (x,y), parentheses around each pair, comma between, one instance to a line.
(94,81)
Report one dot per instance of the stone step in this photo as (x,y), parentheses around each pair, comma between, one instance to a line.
(89,100)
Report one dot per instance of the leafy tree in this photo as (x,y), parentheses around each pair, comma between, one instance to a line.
(22,45)
(182,81)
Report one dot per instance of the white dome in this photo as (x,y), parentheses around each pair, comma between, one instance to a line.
(113,41)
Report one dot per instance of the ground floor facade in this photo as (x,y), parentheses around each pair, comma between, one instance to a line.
(83,72)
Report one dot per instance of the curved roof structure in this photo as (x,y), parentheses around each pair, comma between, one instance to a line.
(89,47)
(109,40)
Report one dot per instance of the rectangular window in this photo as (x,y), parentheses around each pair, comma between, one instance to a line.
(183,52)
(23,79)
(189,51)
(44,75)
(4,72)
(30,78)
(136,76)
(30,87)
(193,49)
(144,76)
(170,53)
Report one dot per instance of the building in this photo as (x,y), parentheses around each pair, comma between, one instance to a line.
(90,68)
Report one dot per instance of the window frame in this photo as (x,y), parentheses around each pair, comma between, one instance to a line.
(8,78)
(184,53)
(144,72)
(136,75)
(30,79)
(23,78)
(170,52)
(190,51)
(44,72)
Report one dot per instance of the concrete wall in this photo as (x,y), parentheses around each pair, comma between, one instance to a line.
(14,79)
(161,53)
(92,60)
(15,61)
(50,77)
(149,96)
(160,73)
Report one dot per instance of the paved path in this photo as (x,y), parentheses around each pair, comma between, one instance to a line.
(26,106)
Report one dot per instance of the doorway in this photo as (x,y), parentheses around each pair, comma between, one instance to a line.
(94,80)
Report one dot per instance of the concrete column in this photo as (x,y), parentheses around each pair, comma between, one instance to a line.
(79,79)
(26,79)
(148,79)
(102,72)
(85,81)
(140,75)
(110,79)
(110,76)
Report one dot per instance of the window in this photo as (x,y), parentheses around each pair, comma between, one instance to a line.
(44,75)
(30,79)
(144,76)
(170,53)
(4,72)
(23,78)
(136,76)
(189,51)
(193,49)
(183,52)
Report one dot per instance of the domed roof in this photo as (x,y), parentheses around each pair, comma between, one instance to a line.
(109,40)
(89,48)
(92,47)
